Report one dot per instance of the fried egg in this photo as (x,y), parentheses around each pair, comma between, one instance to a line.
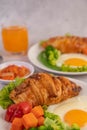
(73,110)
(72,59)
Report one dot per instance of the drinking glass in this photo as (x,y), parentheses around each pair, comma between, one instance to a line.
(15,39)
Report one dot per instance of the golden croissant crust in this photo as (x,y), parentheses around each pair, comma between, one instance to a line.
(44,89)
(67,44)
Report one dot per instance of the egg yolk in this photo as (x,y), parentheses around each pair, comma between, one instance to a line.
(76,116)
(75,62)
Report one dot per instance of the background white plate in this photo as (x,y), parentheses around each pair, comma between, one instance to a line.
(33,54)
(6,126)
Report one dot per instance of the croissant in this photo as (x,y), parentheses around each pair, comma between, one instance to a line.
(67,44)
(44,89)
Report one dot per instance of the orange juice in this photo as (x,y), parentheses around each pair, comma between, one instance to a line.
(15,39)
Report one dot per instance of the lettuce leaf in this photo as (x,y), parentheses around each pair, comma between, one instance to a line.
(5,101)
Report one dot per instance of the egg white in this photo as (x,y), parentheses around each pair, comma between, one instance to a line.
(65,57)
(78,102)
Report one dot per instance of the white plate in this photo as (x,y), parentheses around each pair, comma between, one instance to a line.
(6,126)
(33,54)
(18,63)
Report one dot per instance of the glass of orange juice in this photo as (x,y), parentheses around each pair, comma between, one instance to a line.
(15,39)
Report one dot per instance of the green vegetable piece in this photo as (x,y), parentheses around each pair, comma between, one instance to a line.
(5,101)
(43,127)
(64,126)
(43,59)
(52,123)
(52,120)
(52,62)
(33,128)
(52,116)
(48,122)
(75,127)
(49,128)
(84,68)
(52,54)
(49,57)
(48,48)
(57,54)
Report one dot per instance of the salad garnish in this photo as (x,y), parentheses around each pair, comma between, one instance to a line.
(5,101)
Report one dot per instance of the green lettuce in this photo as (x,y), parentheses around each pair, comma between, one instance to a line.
(5,101)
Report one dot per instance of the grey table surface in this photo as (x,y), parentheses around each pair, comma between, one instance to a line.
(44,19)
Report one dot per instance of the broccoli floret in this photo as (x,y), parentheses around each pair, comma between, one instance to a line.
(56,123)
(75,127)
(33,128)
(52,54)
(52,116)
(43,127)
(52,120)
(53,124)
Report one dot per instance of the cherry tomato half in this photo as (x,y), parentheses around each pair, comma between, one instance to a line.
(17,110)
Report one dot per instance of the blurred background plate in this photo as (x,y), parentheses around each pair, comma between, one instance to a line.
(19,64)
(33,54)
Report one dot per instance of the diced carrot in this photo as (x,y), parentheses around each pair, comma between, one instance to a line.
(40,120)
(29,120)
(37,111)
(17,124)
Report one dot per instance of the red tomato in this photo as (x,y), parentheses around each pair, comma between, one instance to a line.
(17,110)
(10,112)
(25,107)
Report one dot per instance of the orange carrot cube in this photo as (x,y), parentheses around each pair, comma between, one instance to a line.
(40,120)
(38,111)
(29,120)
(17,124)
